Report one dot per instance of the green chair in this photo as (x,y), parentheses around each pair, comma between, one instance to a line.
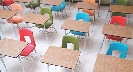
(70,39)
(49,23)
(120,2)
(33,5)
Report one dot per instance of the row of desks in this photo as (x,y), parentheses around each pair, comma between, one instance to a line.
(67,58)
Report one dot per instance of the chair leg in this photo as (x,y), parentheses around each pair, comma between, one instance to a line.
(21,63)
(2,32)
(3,64)
(54,28)
(107,14)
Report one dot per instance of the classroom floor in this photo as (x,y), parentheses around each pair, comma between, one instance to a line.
(87,56)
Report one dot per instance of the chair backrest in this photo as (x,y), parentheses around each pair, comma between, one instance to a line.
(121,2)
(113,1)
(123,48)
(26,32)
(46,10)
(7,2)
(83,15)
(90,1)
(70,39)
(16,7)
(63,4)
(118,19)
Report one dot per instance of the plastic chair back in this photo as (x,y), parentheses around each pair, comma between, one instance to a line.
(70,39)
(123,48)
(16,7)
(113,1)
(46,10)
(26,32)
(121,2)
(83,15)
(7,2)
(90,1)
(118,19)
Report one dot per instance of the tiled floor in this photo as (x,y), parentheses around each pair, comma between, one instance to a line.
(87,57)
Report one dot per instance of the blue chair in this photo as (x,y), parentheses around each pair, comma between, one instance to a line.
(85,17)
(113,1)
(59,8)
(123,48)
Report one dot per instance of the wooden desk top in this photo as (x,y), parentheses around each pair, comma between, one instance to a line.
(121,8)
(85,5)
(11,47)
(36,18)
(61,57)
(6,14)
(80,26)
(52,2)
(24,1)
(106,63)
(117,30)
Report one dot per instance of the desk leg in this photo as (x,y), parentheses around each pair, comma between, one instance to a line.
(85,41)
(72,70)
(98,11)
(48,67)
(59,11)
(44,29)
(65,32)
(126,41)
(14,30)
(21,63)
(99,3)
(102,43)
(3,63)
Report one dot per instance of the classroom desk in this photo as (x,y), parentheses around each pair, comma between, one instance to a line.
(122,9)
(106,63)
(52,2)
(75,25)
(117,30)
(36,19)
(23,1)
(6,14)
(62,57)
(89,6)
(11,48)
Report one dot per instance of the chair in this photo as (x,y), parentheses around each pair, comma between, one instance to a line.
(49,23)
(7,3)
(85,17)
(31,46)
(90,12)
(59,8)
(123,48)
(17,18)
(70,39)
(33,5)
(120,20)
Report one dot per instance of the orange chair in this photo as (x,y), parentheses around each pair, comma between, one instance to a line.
(90,12)
(117,19)
(17,18)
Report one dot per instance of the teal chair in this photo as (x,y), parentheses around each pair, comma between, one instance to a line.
(33,5)
(120,2)
(49,23)
(70,39)
(123,48)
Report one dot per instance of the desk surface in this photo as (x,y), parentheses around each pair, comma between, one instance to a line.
(117,30)
(106,63)
(80,26)
(61,57)
(6,14)
(36,18)
(27,1)
(11,47)
(52,2)
(85,5)
(121,8)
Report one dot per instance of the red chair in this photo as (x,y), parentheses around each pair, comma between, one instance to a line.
(31,46)
(7,3)
(120,20)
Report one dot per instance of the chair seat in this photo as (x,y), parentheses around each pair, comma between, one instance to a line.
(90,12)
(27,50)
(114,38)
(118,14)
(16,19)
(34,5)
(57,8)
(47,24)
(78,33)
(7,2)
